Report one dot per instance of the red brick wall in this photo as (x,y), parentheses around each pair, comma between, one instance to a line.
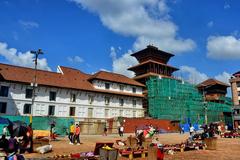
(131,123)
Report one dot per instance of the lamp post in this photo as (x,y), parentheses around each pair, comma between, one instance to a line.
(34,84)
(205,104)
(205,112)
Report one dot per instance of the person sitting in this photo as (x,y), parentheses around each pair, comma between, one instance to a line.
(4,143)
(12,145)
(30,138)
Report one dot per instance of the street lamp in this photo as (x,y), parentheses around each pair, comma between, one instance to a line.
(34,84)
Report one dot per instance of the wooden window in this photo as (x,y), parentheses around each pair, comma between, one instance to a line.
(90,112)
(72,111)
(52,96)
(3,107)
(4,91)
(121,102)
(73,97)
(107,86)
(51,110)
(121,113)
(29,93)
(134,103)
(27,108)
(106,113)
(90,99)
(107,100)
(134,114)
(121,87)
(134,90)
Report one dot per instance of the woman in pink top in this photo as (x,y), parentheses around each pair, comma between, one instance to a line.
(77,134)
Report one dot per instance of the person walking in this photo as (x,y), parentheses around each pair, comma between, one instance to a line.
(191,130)
(105,131)
(121,131)
(52,132)
(71,133)
(219,129)
(30,137)
(77,134)
(182,128)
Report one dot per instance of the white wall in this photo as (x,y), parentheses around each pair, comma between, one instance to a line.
(99,84)
(16,100)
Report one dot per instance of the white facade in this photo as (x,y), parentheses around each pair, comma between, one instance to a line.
(116,87)
(103,105)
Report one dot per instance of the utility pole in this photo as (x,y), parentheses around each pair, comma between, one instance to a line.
(34,84)
(205,106)
(205,110)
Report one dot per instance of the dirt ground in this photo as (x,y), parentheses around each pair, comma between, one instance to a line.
(227,148)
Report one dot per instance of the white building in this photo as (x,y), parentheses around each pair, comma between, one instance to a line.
(69,93)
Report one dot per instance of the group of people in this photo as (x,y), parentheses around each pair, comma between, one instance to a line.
(74,134)
(15,144)
(120,131)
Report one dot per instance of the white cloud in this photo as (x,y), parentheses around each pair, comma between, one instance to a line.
(113,53)
(192,75)
(146,20)
(28,24)
(163,8)
(210,24)
(226,6)
(21,59)
(75,59)
(223,47)
(105,70)
(224,77)
(121,64)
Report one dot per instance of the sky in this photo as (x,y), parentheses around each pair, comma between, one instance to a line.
(93,35)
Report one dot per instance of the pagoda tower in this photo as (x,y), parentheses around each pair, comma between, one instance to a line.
(152,62)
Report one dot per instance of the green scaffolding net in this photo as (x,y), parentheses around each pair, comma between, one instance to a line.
(178,100)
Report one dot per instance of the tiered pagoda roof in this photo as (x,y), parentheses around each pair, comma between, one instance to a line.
(152,62)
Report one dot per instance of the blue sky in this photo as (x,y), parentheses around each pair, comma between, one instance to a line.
(91,35)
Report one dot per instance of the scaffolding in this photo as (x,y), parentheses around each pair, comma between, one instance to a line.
(181,101)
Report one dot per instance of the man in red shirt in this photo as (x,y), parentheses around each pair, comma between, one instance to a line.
(77,134)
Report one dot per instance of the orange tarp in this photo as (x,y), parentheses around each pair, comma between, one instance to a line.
(41,133)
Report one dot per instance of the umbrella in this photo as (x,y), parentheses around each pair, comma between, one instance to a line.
(5,121)
(19,128)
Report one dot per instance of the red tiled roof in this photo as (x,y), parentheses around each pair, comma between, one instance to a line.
(114,77)
(69,78)
(211,82)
